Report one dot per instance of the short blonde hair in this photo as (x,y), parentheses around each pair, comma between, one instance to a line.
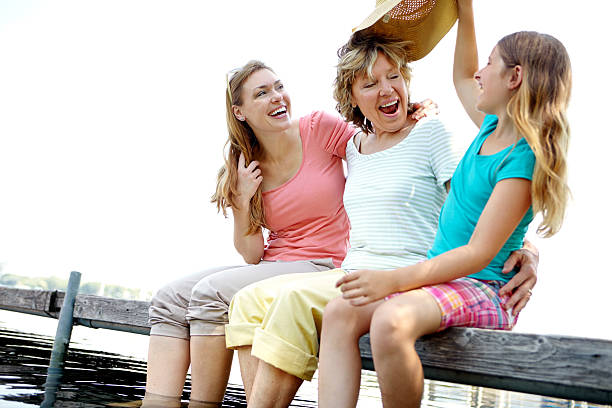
(357,57)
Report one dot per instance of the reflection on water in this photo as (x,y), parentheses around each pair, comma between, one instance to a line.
(93,378)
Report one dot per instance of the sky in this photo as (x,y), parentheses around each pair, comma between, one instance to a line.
(112,127)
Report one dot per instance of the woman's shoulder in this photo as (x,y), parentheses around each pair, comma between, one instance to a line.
(316,118)
(432,128)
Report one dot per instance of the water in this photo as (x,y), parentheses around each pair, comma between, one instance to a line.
(94,378)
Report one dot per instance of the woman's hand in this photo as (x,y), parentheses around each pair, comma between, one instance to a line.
(366,286)
(520,286)
(425,108)
(249,179)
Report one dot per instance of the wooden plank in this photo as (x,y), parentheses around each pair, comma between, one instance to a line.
(557,366)
(126,312)
(39,302)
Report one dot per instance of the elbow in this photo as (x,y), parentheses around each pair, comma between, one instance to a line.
(249,255)
(251,260)
(480,257)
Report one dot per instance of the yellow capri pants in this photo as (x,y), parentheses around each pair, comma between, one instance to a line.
(281,319)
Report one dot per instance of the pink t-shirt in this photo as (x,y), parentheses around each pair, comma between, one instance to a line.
(305,215)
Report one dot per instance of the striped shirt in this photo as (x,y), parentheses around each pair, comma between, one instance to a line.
(393,197)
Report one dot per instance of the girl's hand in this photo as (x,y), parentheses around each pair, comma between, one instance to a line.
(425,108)
(366,286)
(519,287)
(249,179)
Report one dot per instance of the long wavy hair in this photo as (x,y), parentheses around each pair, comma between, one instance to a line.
(538,111)
(241,139)
(357,57)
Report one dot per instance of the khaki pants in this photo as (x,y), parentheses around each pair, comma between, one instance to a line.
(281,318)
(198,304)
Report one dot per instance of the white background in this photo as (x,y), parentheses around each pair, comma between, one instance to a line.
(112,125)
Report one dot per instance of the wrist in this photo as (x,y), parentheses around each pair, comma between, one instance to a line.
(242,204)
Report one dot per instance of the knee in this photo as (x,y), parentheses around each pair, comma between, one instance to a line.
(170,294)
(337,310)
(208,291)
(340,316)
(392,326)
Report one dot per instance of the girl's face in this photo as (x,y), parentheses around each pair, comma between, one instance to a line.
(494,80)
(266,105)
(383,98)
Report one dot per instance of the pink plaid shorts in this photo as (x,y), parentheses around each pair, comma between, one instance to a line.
(473,303)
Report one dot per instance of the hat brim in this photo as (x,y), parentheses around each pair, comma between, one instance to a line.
(424,33)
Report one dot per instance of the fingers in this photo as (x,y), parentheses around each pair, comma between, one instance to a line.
(346,278)
(524,279)
(520,305)
(426,103)
(361,301)
(352,289)
(518,300)
(511,262)
(252,166)
(241,161)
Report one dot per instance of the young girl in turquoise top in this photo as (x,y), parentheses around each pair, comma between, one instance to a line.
(515,168)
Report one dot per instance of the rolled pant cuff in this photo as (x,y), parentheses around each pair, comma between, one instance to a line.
(170,330)
(202,328)
(283,355)
(241,334)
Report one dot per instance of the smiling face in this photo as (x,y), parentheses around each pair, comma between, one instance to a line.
(383,96)
(265,105)
(494,80)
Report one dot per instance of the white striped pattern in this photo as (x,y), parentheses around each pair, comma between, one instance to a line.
(393,197)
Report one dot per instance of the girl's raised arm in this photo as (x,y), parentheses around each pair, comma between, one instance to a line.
(466,62)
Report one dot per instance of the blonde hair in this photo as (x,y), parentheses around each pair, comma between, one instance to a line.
(538,111)
(357,57)
(241,139)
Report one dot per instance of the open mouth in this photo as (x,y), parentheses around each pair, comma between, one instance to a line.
(389,108)
(279,111)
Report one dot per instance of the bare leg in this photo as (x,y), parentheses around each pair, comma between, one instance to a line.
(211,363)
(339,358)
(395,327)
(273,387)
(248,369)
(167,365)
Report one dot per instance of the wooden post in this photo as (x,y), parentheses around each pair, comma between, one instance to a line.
(61,342)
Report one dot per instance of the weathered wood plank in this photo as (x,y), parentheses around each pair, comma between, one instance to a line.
(100,310)
(28,301)
(126,312)
(559,366)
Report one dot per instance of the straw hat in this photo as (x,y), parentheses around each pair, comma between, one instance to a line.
(424,22)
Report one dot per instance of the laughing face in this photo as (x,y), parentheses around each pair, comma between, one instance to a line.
(383,97)
(266,105)
(493,80)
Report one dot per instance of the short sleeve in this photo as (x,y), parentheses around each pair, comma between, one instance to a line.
(332,132)
(519,163)
(443,154)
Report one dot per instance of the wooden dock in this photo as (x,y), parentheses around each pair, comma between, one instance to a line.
(557,366)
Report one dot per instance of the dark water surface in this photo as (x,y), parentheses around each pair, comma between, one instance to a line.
(93,378)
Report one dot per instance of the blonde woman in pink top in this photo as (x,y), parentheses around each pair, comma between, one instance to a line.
(281,174)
